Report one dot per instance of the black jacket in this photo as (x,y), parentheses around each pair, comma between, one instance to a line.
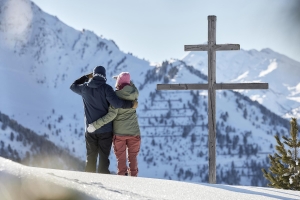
(97,96)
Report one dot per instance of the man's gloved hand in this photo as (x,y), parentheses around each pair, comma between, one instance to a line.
(82,80)
(135,104)
(91,128)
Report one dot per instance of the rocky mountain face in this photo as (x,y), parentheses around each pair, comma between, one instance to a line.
(43,56)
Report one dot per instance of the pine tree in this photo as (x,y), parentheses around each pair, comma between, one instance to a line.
(285,165)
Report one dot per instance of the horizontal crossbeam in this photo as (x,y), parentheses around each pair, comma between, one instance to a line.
(182,86)
(217,86)
(224,47)
(216,47)
(199,47)
(241,86)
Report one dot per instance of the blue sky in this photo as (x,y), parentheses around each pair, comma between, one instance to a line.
(157,30)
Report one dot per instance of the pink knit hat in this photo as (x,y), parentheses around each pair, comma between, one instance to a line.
(123,79)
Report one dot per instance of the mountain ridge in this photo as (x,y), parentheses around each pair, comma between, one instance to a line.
(266,66)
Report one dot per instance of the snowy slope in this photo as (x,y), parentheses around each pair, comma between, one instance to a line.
(41,56)
(37,183)
(281,72)
(38,65)
(174,127)
(23,145)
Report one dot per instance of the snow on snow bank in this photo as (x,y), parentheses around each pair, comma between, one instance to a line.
(22,182)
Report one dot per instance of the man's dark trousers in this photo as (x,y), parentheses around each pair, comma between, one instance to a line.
(98,143)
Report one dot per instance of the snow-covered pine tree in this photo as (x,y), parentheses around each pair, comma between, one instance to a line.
(285,166)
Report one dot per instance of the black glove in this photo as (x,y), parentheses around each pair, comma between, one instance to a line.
(82,80)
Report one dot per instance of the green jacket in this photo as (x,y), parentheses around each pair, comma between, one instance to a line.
(125,121)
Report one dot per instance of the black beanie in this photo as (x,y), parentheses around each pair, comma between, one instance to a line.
(99,70)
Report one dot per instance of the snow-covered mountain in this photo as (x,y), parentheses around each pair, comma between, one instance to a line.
(38,65)
(23,145)
(40,57)
(31,183)
(281,72)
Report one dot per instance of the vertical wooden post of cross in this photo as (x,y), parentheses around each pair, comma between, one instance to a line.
(212,98)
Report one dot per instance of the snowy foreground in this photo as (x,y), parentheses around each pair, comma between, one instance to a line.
(30,183)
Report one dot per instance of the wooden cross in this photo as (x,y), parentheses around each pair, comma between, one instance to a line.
(212,86)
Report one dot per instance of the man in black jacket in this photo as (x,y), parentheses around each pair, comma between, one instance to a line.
(97,95)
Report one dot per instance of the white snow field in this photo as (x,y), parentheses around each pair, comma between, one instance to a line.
(30,183)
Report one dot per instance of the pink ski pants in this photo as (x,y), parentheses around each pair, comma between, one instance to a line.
(132,144)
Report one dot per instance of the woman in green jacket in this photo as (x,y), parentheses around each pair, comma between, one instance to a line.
(125,127)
